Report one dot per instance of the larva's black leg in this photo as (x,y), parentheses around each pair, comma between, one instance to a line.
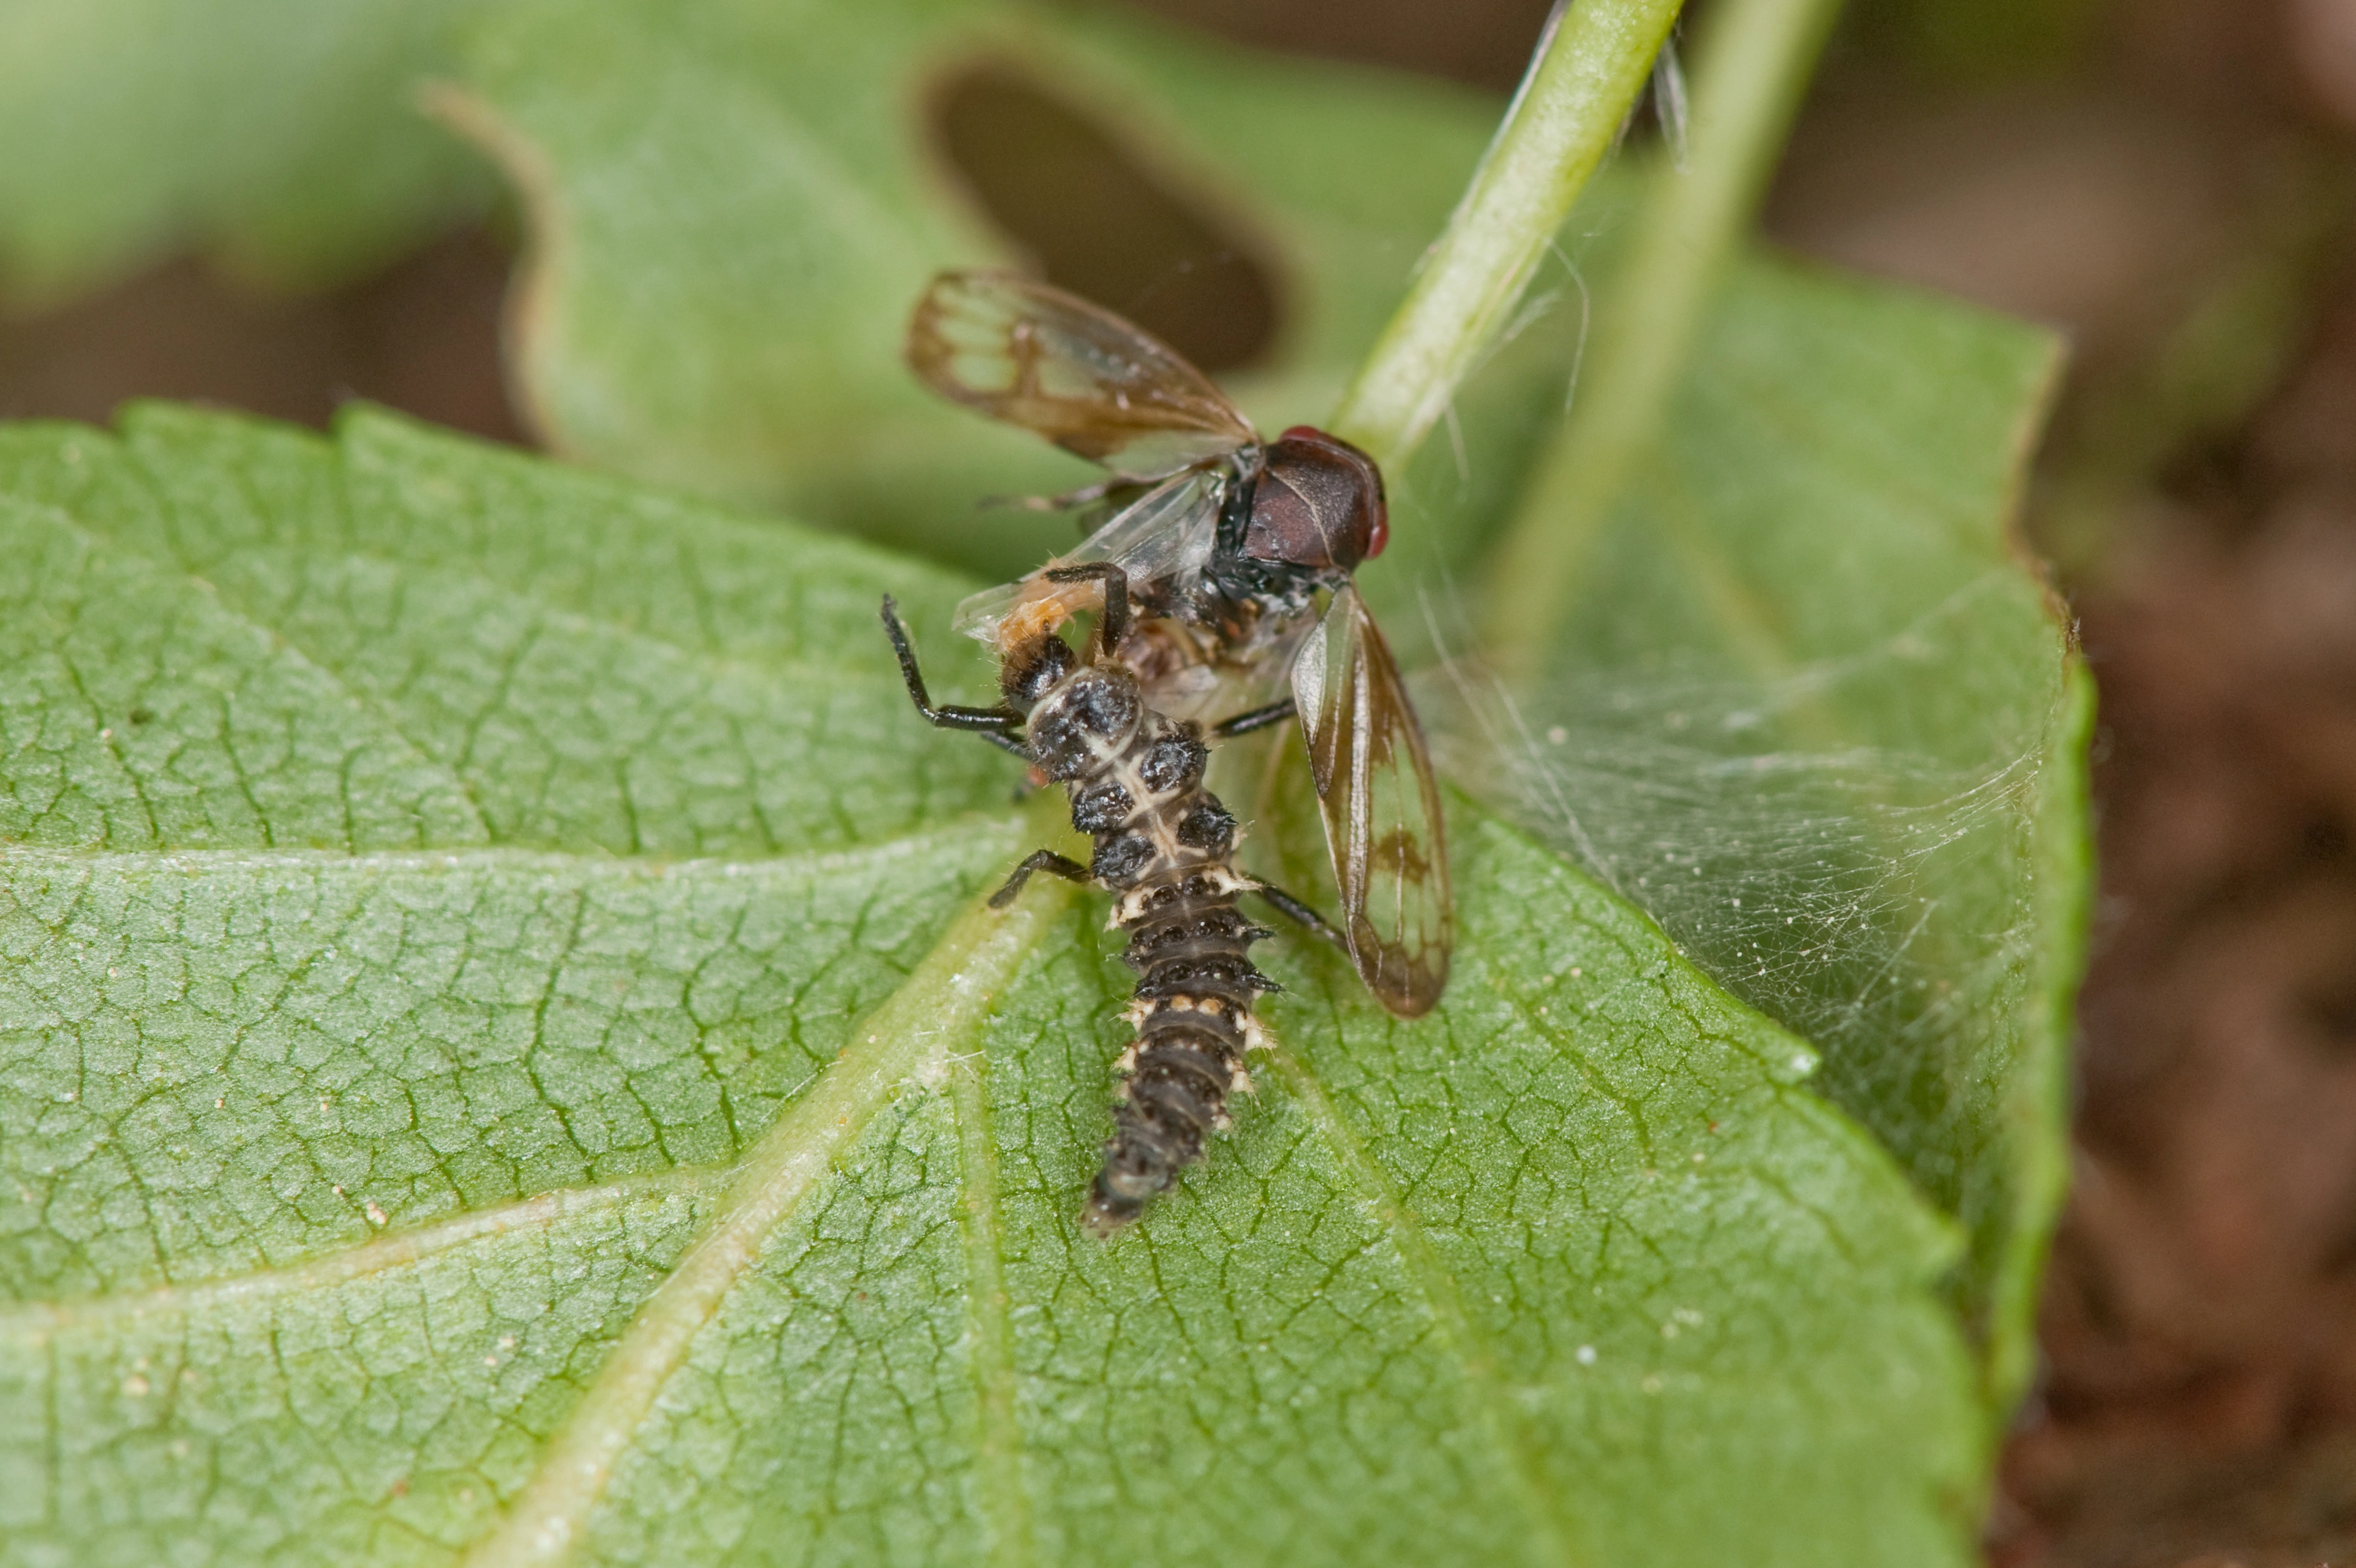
(1257,719)
(1115,625)
(1292,908)
(1047,860)
(1001,727)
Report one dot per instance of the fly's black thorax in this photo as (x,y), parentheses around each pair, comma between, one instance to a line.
(1238,590)
(1298,513)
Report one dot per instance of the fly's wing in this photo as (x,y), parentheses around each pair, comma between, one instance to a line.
(1076,373)
(1163,540)
(1381,806)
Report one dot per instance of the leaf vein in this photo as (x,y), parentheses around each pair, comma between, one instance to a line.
(911,1035)
(1006,1502)
(1476,1362)
(41,1321)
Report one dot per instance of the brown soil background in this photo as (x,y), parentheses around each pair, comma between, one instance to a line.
(2172,184)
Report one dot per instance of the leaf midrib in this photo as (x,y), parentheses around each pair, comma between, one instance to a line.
(941,1005)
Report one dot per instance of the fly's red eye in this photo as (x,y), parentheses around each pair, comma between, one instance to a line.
(1336,492)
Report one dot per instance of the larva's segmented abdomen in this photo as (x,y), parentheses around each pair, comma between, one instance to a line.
(1191,947)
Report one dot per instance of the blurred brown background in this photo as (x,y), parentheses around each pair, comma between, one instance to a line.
(2173,184)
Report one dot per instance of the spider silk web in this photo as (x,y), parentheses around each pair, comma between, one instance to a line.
(1867,884)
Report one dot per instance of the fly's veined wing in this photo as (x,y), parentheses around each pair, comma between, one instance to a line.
(1381,805)
(1077,374)
(1163,540)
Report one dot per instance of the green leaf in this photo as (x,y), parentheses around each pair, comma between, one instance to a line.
(1812,712)
(280,136)
(732,208)
(499,1050)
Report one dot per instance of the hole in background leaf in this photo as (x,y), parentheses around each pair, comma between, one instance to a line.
(1098,222)
(421,337)
(1482,42)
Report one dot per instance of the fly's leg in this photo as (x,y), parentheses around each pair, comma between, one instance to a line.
(1115,625)
(1001,727)
(1045,860)
(1291,908)
(1085,496)
(1256,719)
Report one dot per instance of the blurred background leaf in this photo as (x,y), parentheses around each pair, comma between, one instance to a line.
(725,253)
(280,137)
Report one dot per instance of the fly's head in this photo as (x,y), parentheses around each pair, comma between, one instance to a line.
(1299,519)
(1318,506)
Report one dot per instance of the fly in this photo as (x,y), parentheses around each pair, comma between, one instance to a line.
(1227,552)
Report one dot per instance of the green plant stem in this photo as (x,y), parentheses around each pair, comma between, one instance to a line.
(1755,62)
(1576,96)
